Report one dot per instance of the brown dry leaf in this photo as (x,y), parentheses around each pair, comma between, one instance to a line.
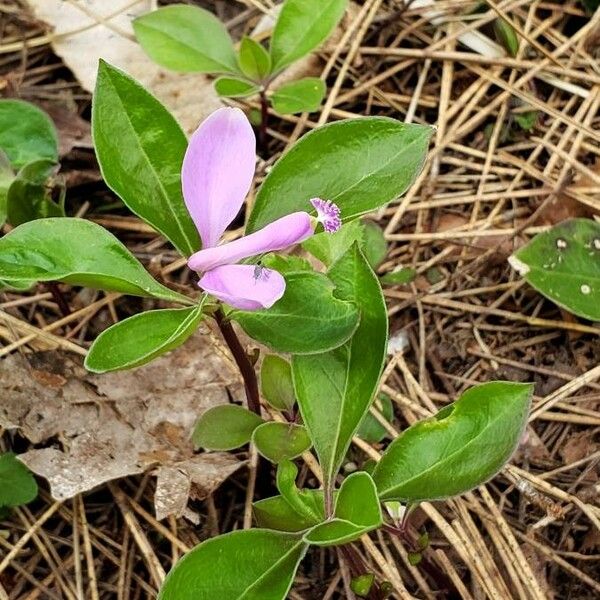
(96,428)
(87,30)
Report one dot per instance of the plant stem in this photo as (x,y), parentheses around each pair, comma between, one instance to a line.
(58,298)
(241,359)
(264,117)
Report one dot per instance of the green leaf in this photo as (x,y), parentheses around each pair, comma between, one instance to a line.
(330,247)
(235,87)
(400,276)
(374,246)
(254,60)
(17,485)
(6,177)
(303,25)
(141,338)
(308,318)
(28,196)
(563,264)
(362,584)
(281,441)
(277,513)
(461,447)
(360,164)
(187,39)
(26,133)
(251,564)
(507,36)
(286,263)
(140,149)
(78,252)
(371,430)
(225,427)
(276,383)
(300,501)
(335,389)
(357,511)
(526,120)
(303,95)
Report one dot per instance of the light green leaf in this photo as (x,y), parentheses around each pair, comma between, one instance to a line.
(26,133)
(187,39)
(330,247)
(276,383)
(303,25)
(526,120)
(400,276)
(303,95)
(28,196)
(507,36)
(563,264)
(276,513)
(78,252)
(335,389)
(286,263)
(308,318)
(17,485)
(225,427)
(6,177)
(251,564)
(360,164)
(140,149)
(374,246)
(357,511)
(371,430)
(301,501)
(254,60)
(463,446)
(281,441)
(141,338)
(234,87)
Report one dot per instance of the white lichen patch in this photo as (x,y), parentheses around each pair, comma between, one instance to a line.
(518,265)
(561,244)
(585,289)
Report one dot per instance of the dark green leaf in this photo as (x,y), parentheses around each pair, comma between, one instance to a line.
(276,382)
(563,264)
(371,430)
(335,389)
(281,441)
(29,196)
(307,319)
(17,485)
(301,27)
(463,446)
(140,149)
(225,427)
(141,338)
(251,564)
(303,95)
(234,87)
(78,252)
(26,133)
(400,276)
(187,39)
(277,513)
(374,246)
(360,164)
(254,60)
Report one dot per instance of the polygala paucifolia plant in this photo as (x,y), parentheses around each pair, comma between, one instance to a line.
(327,327)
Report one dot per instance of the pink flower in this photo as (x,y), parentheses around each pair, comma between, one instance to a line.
(217,173)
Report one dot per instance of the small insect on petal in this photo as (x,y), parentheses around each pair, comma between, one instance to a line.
(328,214)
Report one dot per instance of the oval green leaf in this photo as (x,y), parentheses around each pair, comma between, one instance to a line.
(335,389)
(371,430)
(141,338)
(26,133)
(225,427)
(277,513)
(308,318)
(254,60)
(252,564)
(78,252)
(17,484)
(362,164)
(186,39)
(281,441)
(234,87)
(563,264)
(461,447)
(303,95)
(276,383)
(303,25)
(140,148)
(374,244)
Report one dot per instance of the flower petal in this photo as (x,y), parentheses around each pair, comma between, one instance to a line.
(247,287)
(282,233)
(217,171)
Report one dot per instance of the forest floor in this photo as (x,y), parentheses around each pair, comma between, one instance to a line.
(516,150)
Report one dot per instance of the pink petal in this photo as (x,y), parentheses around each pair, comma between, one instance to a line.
(282,233)
(247,287)
(217,171)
